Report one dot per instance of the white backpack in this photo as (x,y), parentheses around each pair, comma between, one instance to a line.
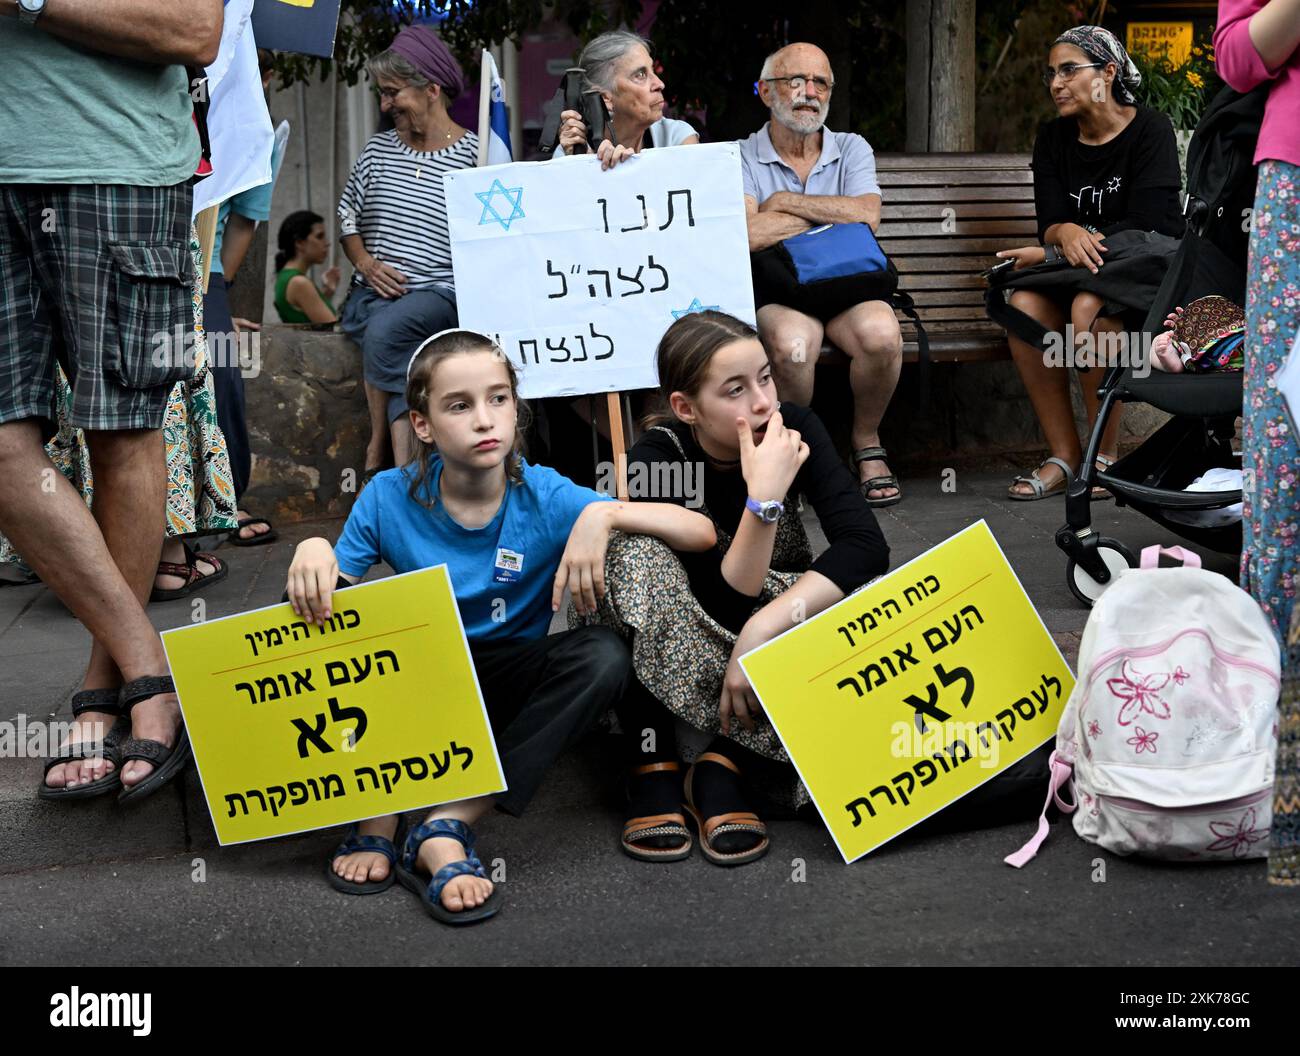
(1171,730)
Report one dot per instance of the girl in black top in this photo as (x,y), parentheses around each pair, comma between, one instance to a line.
(729,449)
(1105,165)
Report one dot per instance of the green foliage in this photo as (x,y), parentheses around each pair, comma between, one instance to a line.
(367,27)
(1179,91)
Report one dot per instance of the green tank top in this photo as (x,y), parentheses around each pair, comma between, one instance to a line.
(288,313)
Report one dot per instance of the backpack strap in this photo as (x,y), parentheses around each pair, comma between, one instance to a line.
(904,303)
(1151,556)
(1061,771)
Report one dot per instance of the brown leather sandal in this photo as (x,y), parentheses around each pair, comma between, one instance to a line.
(189,571)
(739,821)
(656,825)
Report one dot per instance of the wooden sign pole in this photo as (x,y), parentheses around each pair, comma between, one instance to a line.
(617,441)
(205,224)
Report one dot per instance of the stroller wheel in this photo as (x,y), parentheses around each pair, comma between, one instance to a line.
(1117,558)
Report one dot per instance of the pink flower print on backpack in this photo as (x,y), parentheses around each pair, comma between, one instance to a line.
(1143,742)
(1140,693)
(1236,838)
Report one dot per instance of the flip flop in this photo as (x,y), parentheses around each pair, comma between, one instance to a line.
(354,842)
(429,892)
(167,762)
(189,571)
(260,539)
(877,454)
(107,701)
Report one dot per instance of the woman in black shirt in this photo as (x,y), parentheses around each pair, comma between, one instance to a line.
(1104,165)
(730,450)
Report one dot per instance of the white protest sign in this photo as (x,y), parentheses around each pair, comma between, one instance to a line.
(578,272)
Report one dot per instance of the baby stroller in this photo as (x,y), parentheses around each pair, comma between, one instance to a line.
(1211,259)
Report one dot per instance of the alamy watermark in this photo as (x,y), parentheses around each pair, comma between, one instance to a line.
(1086,350)
(655,480)
(178,347)
(20,739)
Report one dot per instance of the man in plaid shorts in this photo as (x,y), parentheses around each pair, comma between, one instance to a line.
(97,147)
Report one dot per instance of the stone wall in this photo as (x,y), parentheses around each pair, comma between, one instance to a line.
(308,421)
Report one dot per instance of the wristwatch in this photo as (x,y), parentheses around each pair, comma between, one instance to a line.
(30,10)
(768,512)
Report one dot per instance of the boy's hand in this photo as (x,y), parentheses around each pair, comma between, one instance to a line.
(313,574)
(582,566)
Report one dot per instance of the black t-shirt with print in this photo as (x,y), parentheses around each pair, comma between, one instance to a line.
(1130,183)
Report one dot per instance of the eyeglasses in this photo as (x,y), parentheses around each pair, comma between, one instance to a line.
(1067,70)
(392,93)
(820,84)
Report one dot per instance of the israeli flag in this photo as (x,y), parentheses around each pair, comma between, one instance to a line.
(494,119)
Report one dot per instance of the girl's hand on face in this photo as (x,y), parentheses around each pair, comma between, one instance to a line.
(582,566)
(312,575)
(330,280)
(770,466)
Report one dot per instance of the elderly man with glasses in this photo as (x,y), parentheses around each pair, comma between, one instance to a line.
(799,175)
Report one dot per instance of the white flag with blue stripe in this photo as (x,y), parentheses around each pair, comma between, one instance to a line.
(494,118)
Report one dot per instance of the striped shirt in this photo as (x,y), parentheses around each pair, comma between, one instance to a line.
(394,200)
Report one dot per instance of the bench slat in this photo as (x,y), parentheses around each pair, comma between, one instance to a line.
(948,299)
(955,179)
(961,210)
(955,264)
(963,160)
(900,247)
(1002,193)
(970,280)
(940,230)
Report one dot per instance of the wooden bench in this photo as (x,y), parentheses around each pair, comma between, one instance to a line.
(942,219)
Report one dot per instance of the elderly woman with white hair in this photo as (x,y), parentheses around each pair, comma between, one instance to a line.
(393,227)
(619,65)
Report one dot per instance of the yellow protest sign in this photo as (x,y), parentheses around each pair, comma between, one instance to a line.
(1171,40)
(299,727)
(913,691)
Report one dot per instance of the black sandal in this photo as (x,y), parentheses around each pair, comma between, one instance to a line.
(877,454)
(257,539)
(107,701)
(189,571)
(739,821)
(167,762)
(659,827)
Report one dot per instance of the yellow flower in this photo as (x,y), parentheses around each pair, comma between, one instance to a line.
(1195,80)
(1197,52)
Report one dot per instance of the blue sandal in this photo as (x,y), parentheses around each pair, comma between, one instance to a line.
(354,842)
(430,891)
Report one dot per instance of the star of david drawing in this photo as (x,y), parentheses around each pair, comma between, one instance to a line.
(513,197)
(694,307)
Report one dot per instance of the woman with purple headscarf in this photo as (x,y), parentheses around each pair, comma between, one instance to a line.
(393,227)
(1106,182)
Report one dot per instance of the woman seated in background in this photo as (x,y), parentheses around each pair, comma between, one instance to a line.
(301,246)
(1105,165)
(393,227)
